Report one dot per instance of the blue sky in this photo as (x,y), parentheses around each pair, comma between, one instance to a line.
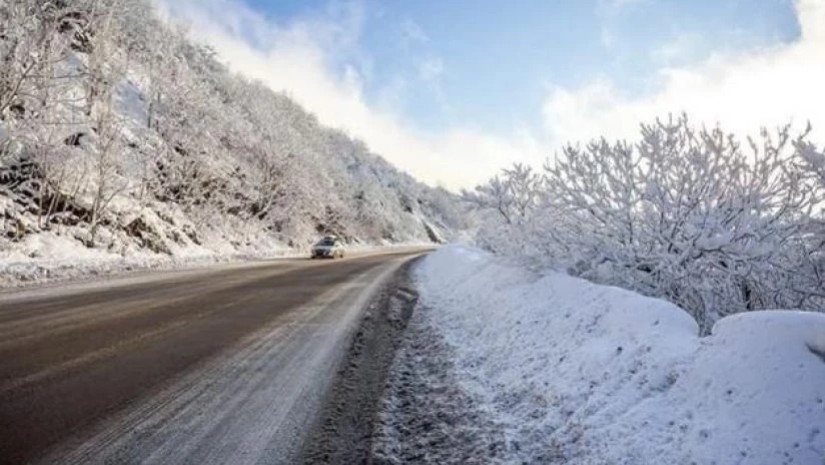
(453,91)
(490,61)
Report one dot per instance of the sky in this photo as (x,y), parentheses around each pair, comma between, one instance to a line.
(453,91)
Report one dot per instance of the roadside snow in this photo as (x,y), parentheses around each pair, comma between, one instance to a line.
(48,257)
(579,373)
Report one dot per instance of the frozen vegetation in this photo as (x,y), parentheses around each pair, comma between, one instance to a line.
(715,224)
(123,144)
(709,350)
(578,373)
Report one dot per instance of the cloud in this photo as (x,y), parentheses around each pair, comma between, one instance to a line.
(413,33)
(302,58)
(743,92)
(319,61)
(681,46)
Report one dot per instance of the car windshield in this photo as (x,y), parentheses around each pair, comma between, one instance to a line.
(327,241)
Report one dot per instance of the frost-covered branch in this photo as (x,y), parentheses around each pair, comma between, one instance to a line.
(687,214)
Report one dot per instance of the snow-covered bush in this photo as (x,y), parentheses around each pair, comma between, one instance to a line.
(689,215)
(512,215)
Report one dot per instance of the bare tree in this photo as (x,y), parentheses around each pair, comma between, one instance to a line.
(513,195)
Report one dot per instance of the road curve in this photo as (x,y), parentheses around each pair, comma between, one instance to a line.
(220,366)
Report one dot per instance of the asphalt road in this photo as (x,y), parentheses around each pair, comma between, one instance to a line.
(215,366)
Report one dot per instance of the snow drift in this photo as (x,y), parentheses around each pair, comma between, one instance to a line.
(580,373)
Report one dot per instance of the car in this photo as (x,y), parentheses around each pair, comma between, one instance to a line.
(328,247)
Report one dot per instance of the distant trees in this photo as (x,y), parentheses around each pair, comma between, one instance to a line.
(689,215)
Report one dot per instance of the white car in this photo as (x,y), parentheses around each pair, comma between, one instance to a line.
(328,247)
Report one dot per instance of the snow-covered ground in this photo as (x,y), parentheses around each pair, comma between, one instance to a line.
(578,373)
(49,257)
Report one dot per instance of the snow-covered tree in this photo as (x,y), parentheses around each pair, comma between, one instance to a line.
(690,215)
(118,130)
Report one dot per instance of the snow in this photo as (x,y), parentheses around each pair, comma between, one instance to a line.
(154,155)
(49,257)
(579,373)
(701,218)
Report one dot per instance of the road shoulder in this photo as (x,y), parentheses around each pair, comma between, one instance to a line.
(344,429)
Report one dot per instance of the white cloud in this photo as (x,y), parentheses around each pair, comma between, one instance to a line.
(291,58)
(681,46)
(767,87)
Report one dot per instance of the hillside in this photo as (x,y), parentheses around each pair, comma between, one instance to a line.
(123,141)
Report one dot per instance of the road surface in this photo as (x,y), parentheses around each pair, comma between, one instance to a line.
(211,366)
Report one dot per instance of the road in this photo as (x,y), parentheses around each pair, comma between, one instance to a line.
(211,366)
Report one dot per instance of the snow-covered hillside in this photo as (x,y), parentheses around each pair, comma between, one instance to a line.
(123,142)
(579,373)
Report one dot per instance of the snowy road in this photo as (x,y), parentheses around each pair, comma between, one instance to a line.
(211,366)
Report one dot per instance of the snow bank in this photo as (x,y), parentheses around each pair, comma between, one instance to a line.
(586,374)
(48,257)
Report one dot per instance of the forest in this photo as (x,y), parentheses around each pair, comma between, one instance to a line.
(120,134)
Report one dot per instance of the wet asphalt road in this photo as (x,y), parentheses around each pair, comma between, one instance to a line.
(212,366)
